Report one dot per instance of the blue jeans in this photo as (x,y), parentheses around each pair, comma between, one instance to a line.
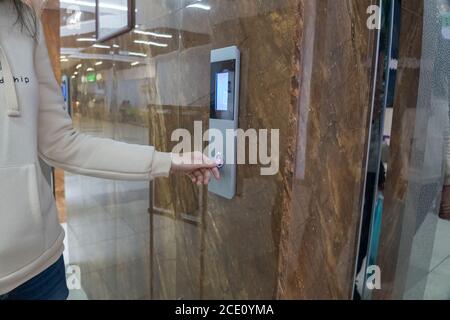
(48,285)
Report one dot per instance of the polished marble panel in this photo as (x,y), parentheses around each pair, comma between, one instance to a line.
(321,225)
(210,259)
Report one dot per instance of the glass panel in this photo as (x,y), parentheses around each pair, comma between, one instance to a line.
(300,74)
(413,252)
(306,70)
(139,88)
(113,17)
(309,69)
(377,166)
(108,221)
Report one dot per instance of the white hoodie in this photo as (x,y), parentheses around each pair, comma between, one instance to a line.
(34,124)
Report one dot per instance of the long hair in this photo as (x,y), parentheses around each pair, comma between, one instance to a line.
(26,17)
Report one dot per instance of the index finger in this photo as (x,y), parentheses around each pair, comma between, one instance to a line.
(215,171)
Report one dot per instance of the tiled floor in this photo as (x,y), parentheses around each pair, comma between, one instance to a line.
(108,232)
(429,264)
(108,226)
(438,280)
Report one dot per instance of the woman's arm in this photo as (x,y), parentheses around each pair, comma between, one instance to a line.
(62,146)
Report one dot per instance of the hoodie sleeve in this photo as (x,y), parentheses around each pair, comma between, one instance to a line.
(60,145)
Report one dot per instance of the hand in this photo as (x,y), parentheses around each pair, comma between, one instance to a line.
(195,165)
(444,211)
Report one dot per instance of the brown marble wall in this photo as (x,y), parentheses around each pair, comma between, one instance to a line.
(321,226)
(211,260)
(282,236)
(267,34)
(51,23)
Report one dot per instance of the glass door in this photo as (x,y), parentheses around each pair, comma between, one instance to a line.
(404,247)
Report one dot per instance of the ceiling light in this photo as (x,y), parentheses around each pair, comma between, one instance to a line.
(101,46)
(199,6)
(131,53)
(79,66)
(99,63)
(90,69)
(86,39)
(151,43)
(153,34)
(135,63)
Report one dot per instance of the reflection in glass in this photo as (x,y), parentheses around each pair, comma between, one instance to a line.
(409,239)
(113,17)
(377,168)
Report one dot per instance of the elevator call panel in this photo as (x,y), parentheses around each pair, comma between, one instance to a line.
(224,111)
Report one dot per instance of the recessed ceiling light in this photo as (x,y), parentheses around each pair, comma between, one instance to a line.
(151,43)
(199,6)
(86,40)
(101,46)
(153,34)
(131,53)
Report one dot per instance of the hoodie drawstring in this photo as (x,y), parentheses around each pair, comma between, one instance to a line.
(12,102)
